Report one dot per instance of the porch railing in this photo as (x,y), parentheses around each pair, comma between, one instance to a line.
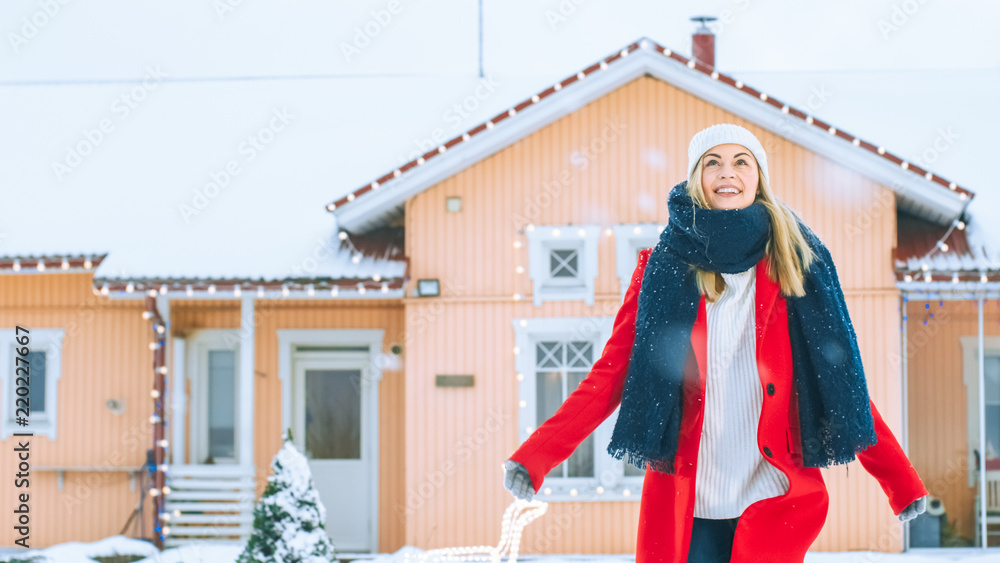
(209,502)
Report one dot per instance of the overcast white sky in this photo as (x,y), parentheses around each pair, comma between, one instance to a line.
(899,73)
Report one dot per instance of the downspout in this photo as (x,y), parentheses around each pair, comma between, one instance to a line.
(982,430)
(904,374)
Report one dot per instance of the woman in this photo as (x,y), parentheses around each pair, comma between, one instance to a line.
(738,374)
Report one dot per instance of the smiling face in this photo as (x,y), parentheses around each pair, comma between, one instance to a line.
(729,177)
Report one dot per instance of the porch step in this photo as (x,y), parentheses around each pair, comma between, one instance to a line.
(235,496)
(169,542)
(211,484)
(208,532)
(210,471)
(231,519)
(212,506)
(213,501)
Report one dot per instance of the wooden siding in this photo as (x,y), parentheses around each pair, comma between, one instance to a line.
(542,179)
(938,404)
(106,355)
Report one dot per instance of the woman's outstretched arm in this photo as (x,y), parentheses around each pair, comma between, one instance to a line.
(597,396)
(888,464)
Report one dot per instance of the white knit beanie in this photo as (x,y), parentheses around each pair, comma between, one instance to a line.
(722,134)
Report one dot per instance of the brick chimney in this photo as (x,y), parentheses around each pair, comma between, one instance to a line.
(703,41)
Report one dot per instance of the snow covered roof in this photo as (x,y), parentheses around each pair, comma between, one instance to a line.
(366,266)
(348,122)
(965,253)
(63,263)
(920,191)
(373,266)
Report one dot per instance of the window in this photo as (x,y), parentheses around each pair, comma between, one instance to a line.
(221,404)
(562,262)
(553,357)
(991,372)
(213,360)
(629,241)
(44,362)
(560,366)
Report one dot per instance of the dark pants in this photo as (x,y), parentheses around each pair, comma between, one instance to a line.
(712,540)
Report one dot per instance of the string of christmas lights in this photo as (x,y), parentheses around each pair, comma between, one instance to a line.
(158,488)
(940,247)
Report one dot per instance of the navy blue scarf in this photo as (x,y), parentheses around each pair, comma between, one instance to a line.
(834,412)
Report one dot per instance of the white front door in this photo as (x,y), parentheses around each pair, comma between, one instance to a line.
(331,426)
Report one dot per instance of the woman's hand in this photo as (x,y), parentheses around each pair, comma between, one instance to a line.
(517,481)
(916,507)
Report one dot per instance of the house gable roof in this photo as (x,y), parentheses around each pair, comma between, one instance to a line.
(919,191)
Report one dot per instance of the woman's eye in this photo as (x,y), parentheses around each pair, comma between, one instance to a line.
(712,162)
(741,161)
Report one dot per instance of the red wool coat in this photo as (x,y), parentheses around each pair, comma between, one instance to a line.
(775,529)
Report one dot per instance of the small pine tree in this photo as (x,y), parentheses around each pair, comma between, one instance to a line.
(288,521)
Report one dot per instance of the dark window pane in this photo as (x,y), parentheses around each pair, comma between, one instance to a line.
(563,263)
(36,383)
(549,354)
(581,463)
(991,373)
(333,414)
(222,404)
(580,354)
(548,396)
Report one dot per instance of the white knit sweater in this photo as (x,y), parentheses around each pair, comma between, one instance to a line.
(732,474)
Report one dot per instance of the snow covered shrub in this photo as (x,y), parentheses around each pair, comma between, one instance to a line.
(288,521)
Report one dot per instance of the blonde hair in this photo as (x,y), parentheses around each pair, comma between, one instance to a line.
(788,254)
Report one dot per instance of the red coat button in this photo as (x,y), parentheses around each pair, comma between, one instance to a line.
(770,389)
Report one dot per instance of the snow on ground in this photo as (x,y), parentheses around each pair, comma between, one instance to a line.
(219,552)
(198,553)
(410,554)
(76,552)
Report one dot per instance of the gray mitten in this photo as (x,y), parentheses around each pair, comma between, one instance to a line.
(517,481)
(916,507)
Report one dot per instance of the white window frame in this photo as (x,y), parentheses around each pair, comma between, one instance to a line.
(629,240)
(609,483)
(970,376)
(542,240)
(50,341)
(199,343)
